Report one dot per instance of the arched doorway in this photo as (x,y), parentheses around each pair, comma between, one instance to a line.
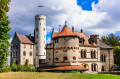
(103,69)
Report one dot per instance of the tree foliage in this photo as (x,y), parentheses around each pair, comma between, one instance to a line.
(4,35)
(26,62)
(117,55)
(111,40)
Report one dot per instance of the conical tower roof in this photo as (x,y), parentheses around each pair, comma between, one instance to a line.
(66,31)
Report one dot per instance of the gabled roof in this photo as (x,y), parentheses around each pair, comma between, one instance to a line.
(26,39)
(103,45)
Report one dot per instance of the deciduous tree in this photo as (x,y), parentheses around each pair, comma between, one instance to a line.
(4,35)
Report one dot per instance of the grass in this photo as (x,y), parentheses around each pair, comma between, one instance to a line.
(48,75)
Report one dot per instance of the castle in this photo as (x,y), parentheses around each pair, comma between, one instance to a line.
(68,50)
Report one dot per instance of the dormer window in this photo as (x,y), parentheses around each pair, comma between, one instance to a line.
(91,41)
(56,40)
(81,40)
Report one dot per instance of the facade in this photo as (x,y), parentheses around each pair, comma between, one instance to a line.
(68,50)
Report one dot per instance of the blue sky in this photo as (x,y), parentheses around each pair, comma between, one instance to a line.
(86,4)
(94,16)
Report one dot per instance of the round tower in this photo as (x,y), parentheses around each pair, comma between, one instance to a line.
(40,39)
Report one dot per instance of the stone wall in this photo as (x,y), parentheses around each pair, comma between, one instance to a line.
(108,64)
(15,49)
(27,49)
(69,47)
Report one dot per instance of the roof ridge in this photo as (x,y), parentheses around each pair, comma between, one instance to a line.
(18,37)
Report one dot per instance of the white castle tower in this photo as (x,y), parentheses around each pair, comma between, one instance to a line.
(40,39)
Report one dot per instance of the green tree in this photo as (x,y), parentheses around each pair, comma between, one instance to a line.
(117,55)
(26,62)
(4,35)
(111,40)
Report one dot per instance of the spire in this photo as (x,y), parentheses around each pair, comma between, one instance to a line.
(65,24)
(72,28)
(59,27)
(81,30)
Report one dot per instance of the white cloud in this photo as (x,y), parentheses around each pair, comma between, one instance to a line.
(48,40)
(105,15)
(111,23)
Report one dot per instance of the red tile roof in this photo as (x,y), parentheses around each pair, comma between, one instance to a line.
(26,39)
(63,68)
(81,35)
(66,31)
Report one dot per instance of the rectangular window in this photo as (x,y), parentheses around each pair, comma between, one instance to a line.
(24,53)
(50,56)
(24,46)
(16,53)
(43,29)
(30,53)
(36,48)
(36,29)
(36,36)
(56,40)
(30,46)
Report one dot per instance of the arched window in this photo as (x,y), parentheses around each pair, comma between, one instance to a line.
(84,53)
(30,53)
(103,58)
(94,67)
(93,54)
(24,53)
(74,58)
(65,58)
(81,53)
(56,59)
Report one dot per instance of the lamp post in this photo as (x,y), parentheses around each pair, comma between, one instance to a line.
(53,53)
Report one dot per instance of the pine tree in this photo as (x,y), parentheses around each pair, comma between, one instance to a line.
(4,35)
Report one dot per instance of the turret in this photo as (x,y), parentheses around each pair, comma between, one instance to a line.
(40,39)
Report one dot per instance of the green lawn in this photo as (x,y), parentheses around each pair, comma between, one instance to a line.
(48,75)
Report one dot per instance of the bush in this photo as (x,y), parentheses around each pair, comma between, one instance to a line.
(74,71)
(13,66)
(26,62)
(5,69)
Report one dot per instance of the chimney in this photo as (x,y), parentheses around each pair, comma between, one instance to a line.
(72,28)
(96,39)
(81,30)
(30,36)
